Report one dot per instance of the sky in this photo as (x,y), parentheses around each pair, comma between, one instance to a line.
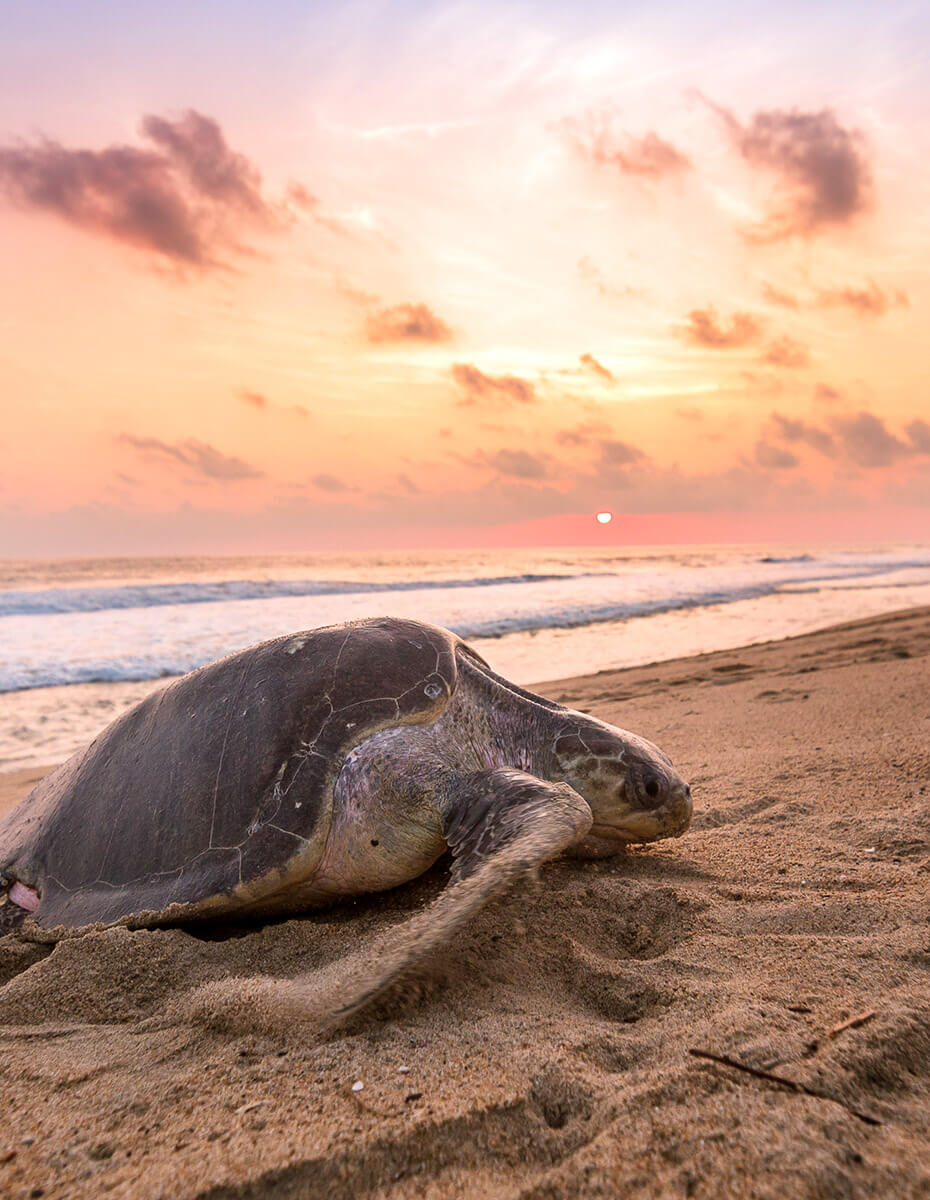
(374,275)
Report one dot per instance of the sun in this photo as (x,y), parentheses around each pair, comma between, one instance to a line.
(604,518)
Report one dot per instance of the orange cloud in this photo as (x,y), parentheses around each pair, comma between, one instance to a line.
(261,402)
(648,156)
(407,323)
(480,387)
(596,368)
(868,301)
(787,352)
(775,295)
(704,328)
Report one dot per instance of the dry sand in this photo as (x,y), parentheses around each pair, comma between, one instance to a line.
(548,1055)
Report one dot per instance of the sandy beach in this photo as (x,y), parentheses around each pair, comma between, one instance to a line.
(551,1052)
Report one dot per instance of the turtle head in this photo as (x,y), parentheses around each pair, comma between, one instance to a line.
(634,792)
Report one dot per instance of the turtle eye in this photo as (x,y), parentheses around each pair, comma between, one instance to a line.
(652,787)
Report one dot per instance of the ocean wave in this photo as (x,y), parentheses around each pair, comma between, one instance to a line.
(146,631)
(183,658)
(55,601)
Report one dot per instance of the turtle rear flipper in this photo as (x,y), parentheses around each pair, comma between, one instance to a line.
(500,825)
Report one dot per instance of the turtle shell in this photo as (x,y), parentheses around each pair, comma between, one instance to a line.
(217,791)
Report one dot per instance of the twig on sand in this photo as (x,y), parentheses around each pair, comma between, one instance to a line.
(793,1084)
(852,1023)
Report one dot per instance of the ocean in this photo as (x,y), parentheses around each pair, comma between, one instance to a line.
(82,639)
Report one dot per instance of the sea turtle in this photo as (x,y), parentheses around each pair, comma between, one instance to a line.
(321,765)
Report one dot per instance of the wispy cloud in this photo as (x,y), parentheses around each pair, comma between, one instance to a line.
(824,393)
(407,485)
(590,363)
(787,352)
(198,456)
(582,434)
(186,197)
(774,457)
(648,155)
(260,401)
(780,297)
(330,483)
(518,464)
(481,388)
(406,323)
(592,273)
(868,300)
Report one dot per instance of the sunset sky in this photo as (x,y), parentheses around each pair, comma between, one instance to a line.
(320,275)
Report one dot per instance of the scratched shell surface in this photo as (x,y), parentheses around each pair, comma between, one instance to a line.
(221,784)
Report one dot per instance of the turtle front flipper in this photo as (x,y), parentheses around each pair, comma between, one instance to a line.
(500,824)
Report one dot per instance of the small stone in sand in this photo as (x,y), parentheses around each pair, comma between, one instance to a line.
(357,1086)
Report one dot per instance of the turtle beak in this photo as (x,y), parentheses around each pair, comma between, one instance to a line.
(675,815)
(670,819)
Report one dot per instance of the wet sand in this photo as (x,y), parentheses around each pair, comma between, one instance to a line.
(549,1053)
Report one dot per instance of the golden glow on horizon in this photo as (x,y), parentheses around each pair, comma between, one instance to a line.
(518,286)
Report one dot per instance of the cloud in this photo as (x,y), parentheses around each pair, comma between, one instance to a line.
(787,352)
(408,485)
(330,483)
(825,173)
(519,464)
(918,432)
(199,456)
(867,442)
(596,368)
(868,301)
(704,328)
(774,457)
(186,197)
(861,437)
(648,156)
(825,394)
(261,402)
(791,430)
(582,434)
(592,273)
(406,323)
(479,387)
(615,453)
(775,295)
(689,414)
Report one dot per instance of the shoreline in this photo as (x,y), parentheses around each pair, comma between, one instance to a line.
(40,727)
(549,1051)
(27,776)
